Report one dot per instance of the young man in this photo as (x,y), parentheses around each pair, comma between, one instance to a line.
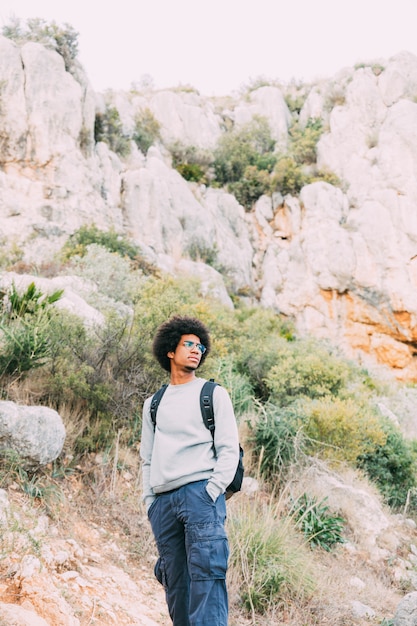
(185,477)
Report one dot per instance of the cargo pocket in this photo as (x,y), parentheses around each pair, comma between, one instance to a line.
(208,557)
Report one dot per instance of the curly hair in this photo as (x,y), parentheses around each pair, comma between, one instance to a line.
(169,334)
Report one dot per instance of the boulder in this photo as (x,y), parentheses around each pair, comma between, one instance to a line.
(35,433)
(16,615)
(406,613)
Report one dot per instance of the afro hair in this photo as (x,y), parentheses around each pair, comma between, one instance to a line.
(169,334)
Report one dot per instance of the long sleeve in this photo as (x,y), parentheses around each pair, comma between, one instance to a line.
(146,447)
(181,450)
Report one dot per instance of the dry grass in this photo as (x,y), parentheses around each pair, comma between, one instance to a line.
(105,492)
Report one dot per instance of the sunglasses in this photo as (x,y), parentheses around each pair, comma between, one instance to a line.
(190,344)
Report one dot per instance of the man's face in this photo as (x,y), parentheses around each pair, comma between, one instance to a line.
(187,354)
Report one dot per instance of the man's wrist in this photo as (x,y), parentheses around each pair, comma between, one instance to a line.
(213,490)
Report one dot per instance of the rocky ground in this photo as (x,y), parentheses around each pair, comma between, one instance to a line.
(83,555)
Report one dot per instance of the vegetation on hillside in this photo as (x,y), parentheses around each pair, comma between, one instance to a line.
(63,39)
(294,398)
(246,161)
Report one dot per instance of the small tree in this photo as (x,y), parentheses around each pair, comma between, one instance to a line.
(108,128)
(303,141)
(243,160)
(147,130)
(242,147)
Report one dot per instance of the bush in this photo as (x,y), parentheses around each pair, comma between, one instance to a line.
(192,163)
(238,385)
(392,465)
(342,429)
(289,177)
(326,177)
(110,272)
(269,563)
(303,141)
(63,39)
(263,333)
(104,369)
(192,172)
(25,323)
(250,145)
(278,440)
(147,130)
(78,242)
(108,128)
(203,253)
(304,368)
(320,527)
(253,184)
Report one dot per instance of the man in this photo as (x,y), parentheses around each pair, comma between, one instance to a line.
(185,477)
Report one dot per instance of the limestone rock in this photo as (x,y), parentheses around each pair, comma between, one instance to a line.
(267,102)
(16,615)
(406,613)
(340,261)
(70,300)
(35,433)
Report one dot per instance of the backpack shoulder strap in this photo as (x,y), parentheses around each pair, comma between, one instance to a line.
(206,404)
(156,399)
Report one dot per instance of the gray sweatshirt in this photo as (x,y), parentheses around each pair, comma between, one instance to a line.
(180,449)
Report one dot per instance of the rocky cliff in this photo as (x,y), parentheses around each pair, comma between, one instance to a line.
(340,261)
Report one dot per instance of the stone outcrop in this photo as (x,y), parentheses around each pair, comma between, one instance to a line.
(340,261)
(406,614)
(35,433)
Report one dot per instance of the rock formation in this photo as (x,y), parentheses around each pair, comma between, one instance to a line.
(341,262)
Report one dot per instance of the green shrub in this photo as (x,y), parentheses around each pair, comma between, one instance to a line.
(250,145)
(31,301)
(147,130)
(253,184)
(304,139)
(263,333)
(237,384)
(78,242)
(304,368)
(295,100)
(320,527)
(192,163)
(109,129)
(277,440)
(10,252)
(25,322)
(342,429)
(110,272)
(269,562)
(203,253)
(104,369)
(326,177)
(24,344)
(289,177)
(192,172)
(63,39)
(392,465)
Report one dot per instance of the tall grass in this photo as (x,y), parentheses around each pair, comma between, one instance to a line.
(270,564)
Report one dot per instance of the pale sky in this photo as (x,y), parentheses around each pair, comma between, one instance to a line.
(219,45)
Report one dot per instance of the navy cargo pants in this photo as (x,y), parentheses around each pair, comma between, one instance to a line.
(193,553)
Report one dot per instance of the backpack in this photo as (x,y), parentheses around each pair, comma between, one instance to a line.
(206,406)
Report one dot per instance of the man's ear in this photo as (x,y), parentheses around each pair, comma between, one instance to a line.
(170,355)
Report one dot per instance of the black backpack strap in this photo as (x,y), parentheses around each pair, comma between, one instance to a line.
(156,399)
(206,404)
